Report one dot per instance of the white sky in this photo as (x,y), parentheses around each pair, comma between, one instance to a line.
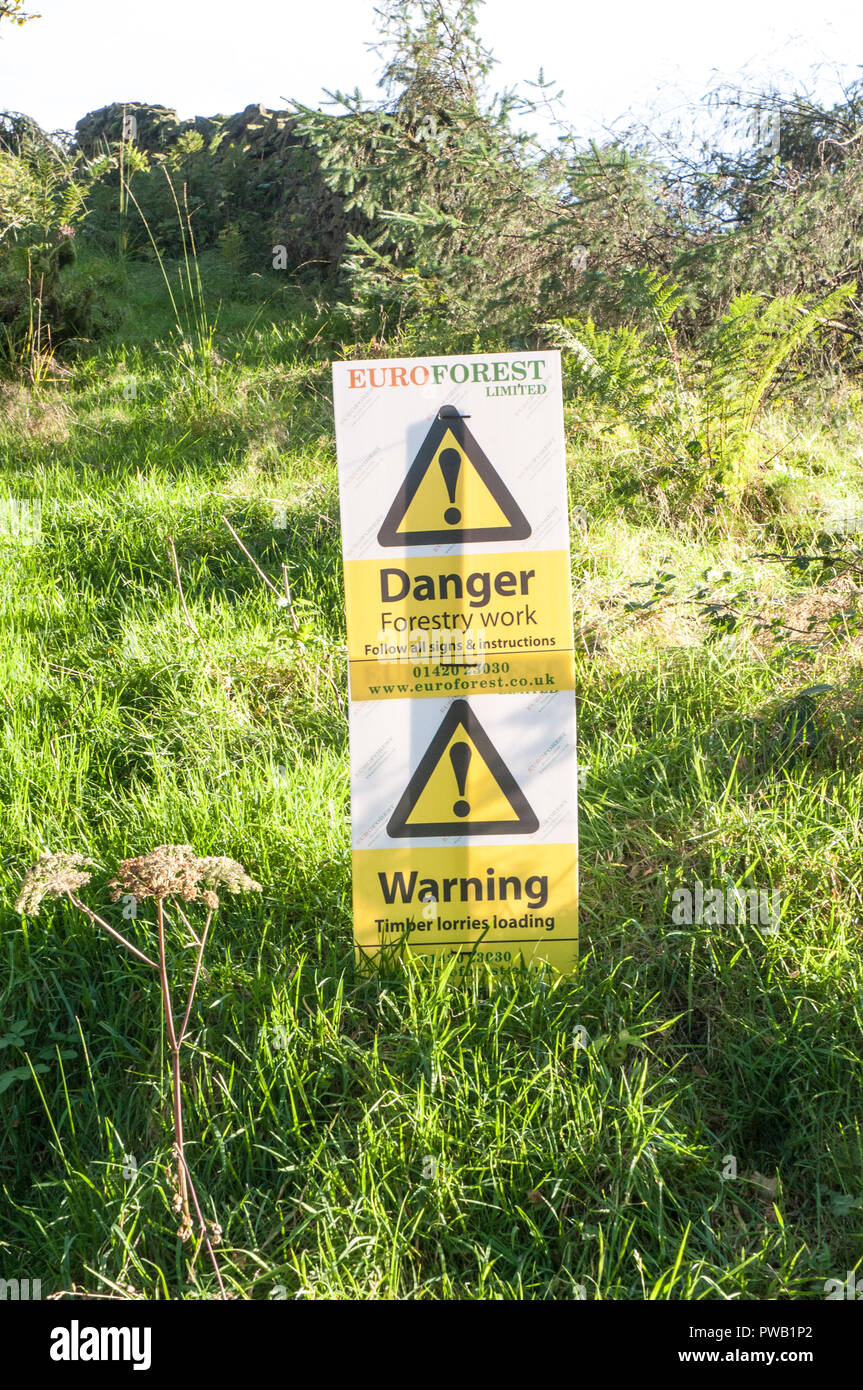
(207,56)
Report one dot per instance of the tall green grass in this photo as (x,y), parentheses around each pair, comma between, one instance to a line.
(402,1136)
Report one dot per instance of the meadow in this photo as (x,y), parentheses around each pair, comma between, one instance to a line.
(678,1118)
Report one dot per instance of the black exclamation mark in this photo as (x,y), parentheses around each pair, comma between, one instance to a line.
(460,756)
(450,463)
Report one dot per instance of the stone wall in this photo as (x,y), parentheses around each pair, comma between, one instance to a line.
(248,171)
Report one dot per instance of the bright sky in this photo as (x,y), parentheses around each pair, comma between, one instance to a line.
(208,56)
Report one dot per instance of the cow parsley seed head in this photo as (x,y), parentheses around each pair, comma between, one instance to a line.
(167,869)
(52,876)
(176,871)
(218,870)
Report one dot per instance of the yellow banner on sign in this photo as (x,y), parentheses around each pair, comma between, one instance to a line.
(504,616)
(498,904)
(523,675)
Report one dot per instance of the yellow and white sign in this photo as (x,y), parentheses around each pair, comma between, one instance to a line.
(465,825)
(455,531)
(505,618)
(501,906)
(455,526)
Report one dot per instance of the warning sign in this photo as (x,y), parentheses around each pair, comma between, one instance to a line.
(503,620)
(462,783)
(455,525)
(491,904)
(452,493)
(447,772)
(464,828)
(455,533)
(448,456)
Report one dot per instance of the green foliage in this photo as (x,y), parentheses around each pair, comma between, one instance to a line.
(116,223)
(248,171)
(444,223)
(578,1128)
(745,354)
(453,194)
(196,693)
(782,217)
(18,1041)
(43,199)
(693,419)
(14,11)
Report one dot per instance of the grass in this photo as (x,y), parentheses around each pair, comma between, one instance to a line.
(405,1136)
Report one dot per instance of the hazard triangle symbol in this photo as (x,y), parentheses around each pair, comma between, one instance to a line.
(462,786)
(452,493)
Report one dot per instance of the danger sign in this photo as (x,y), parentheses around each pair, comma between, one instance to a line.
(455,531)
(455,525)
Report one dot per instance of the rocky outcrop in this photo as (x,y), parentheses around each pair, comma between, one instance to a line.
(260,176)
(156,127)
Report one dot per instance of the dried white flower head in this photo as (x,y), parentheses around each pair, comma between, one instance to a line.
(176,871)
(218,871)
(167,869)
(52,876)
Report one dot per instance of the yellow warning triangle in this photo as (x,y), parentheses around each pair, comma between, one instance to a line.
(452,493)
(462,786)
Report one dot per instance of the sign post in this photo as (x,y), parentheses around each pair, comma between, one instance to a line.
(455,535)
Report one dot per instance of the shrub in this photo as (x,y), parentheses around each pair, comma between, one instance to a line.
(43,198)
(692,416)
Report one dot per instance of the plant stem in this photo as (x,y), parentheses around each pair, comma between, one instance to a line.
(195,978)
(94,917)
(185,1185)
(294,622)
(175,1061)
(269,583)
(203,1224)
(186,923)
(188,1186)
